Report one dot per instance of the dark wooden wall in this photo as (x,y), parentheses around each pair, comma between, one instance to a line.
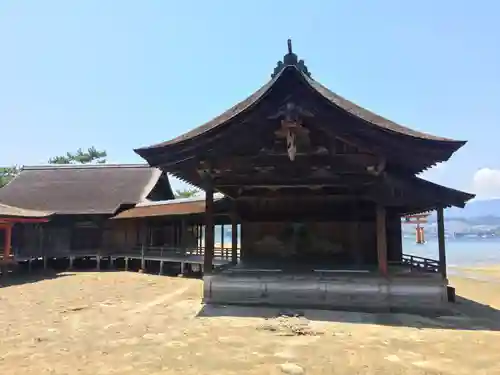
(342,242)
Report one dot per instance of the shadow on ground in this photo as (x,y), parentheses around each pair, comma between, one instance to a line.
(19,278)
(465,314)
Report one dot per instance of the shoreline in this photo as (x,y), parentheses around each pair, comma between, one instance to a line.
(489,273)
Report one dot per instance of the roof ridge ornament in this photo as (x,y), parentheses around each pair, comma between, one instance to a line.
(290,59)
(292,128)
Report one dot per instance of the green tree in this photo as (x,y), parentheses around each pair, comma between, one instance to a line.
(7,174)
(78,157)
(81,157)
(186,193)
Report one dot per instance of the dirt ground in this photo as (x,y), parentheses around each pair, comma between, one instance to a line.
(130,323)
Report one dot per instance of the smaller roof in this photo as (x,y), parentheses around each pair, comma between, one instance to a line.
(84,189)
(16,212)
(428,195)
(183,206)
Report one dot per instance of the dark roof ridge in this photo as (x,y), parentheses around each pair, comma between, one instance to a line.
(369,116)
(222,118)
(82,166)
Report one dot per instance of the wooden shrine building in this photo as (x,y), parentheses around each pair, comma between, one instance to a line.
(119,215)
(172,233)
(9,216)
(80,199)
(319,185)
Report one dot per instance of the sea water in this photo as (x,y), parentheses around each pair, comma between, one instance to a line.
(461,252)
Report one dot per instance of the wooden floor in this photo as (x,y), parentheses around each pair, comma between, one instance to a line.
(160,254)
(175,258)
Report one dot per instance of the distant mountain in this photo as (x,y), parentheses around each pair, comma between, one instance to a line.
(476,209)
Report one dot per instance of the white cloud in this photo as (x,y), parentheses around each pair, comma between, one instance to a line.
(486,183)
(434,174)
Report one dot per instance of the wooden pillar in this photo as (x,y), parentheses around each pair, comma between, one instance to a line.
(234,234)
(143,259)
(182,239)
(209,228)
(381,239)
(356,250)
(200,238)
(441,242)
(172,243)
(222,247)
(7,242)
(42,246)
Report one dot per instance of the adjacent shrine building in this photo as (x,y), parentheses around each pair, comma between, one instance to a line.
(79,199)
(319,185)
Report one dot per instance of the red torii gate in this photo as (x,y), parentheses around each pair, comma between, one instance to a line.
(9,216)
(417,219)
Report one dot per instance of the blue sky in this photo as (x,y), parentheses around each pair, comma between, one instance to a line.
(123,74)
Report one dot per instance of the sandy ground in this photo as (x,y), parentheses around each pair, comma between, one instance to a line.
(130,323)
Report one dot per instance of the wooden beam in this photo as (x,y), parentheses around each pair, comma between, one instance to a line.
(14,220)
(381,225)
(336,161)
(323,196)
(277,181)
(277,185)
(441,241)
(299,215)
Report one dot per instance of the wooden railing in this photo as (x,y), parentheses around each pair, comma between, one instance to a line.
(155,251)
(421,263)
(163,251)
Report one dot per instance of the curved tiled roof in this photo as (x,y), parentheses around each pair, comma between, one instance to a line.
(182,206)
(369,116)
(338,101)
(219,120)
